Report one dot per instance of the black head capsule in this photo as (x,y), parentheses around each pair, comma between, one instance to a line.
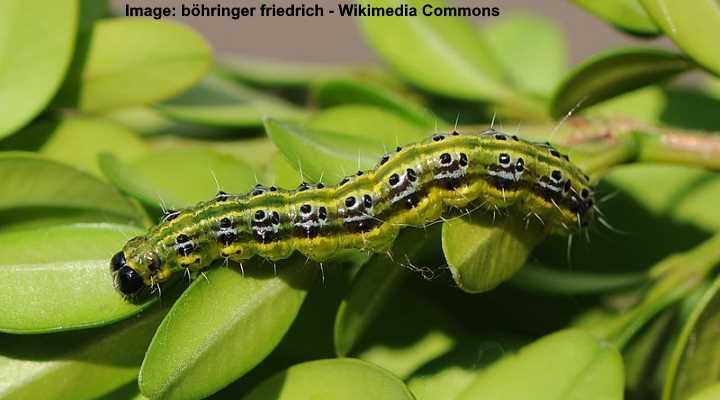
(128,281)
(117,261)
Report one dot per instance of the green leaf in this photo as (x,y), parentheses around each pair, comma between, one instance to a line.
(30,181)
(569,364)
(335,92)
(90,12)
(148,180)
(33,61)
(693,29)
(124,62)
(541,279)
(342,140)
(281,74)
(217,102)
(534,65)
(694,364)
(374,285)
(709,393)
(627,15)
(343,378)
(77,141)
(75,365)
(63,281)
(497,250)
(222,327)
(613,73)
(443,55)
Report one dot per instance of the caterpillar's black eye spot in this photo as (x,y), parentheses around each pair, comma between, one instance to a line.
(584,194)
(225,223)
(520,165)
(273,189)
(554,153)
(568,185)
(398,149)
(117,261)
(411,175)
(128,281)
(556,175)
(182,238)
(445,158)
(322,213)
(275,219)
(320,185)
(305,208)
(515,138)
(437,138)
(259,215)
(463,160)
(500,136)
(359,173)
(455,133)
(394,179)
(350,201)
(384,159)
(367,201)
(504,159)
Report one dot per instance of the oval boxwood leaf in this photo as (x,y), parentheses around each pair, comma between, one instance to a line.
(153,179)
(627,15)
(697,350)
(497,250)
(125,61)
(351,379)
(77,141)
(32,181)
(217,102)
(335,92)
(538,278)
(462,65)
(533,65)
(693,29)
(281,74)
(376,282)
(33,61)
(613,73)
(222,327)
(709,393)
(76,365)
(569,364)
(61,281)
(342,140)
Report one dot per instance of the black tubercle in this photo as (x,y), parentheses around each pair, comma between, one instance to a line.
(170,215)
(128,281)
(221,196)
(117,261)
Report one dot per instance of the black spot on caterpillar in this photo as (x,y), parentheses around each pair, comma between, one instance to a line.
(411,186)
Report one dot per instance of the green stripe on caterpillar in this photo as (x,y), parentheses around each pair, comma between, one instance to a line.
(410,186)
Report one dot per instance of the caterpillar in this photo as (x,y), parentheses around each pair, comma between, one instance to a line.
(410,186)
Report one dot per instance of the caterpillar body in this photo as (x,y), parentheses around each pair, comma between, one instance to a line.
(410,186)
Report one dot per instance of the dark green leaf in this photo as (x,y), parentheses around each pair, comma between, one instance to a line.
(216,102)
(613,73)
(697,350)
(576,282)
